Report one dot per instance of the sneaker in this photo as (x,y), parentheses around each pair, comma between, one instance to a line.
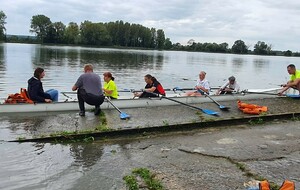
(82,113)
(97,111)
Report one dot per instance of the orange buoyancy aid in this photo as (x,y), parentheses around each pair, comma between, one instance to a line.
(286,185)
(16,98)
(251,108)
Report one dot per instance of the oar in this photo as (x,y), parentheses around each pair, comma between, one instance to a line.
(224,108)
(268,93)
(184,89)
(206,111)
(123,115)
(65,94)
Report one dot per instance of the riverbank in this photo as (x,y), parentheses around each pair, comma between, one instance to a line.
(203,152)
(69,125)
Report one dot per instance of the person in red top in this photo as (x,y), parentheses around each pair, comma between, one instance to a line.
(152,86)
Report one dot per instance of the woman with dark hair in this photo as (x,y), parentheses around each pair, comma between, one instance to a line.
(152,86)
(35,88)
(110,88)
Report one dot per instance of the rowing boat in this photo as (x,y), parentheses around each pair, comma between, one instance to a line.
(122,103)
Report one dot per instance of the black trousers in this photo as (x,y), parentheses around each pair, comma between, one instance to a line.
(90,99)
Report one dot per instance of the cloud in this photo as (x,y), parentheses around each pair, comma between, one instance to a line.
(202,20)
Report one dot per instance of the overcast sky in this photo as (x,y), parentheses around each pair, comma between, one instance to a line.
(272,21)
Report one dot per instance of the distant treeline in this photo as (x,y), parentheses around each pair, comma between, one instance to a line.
(123,34)
(96,34)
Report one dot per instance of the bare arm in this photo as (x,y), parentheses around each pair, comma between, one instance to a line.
(74,88)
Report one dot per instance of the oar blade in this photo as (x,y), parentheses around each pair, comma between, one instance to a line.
(210,112)
(293,95)
(124,116)
(224,108)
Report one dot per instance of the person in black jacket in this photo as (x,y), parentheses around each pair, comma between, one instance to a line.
(35,88)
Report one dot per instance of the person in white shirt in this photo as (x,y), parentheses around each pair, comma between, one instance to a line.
(202,87)
(229,87)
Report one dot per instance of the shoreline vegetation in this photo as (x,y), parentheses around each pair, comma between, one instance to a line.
(123,35)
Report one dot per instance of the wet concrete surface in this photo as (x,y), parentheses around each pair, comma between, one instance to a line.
(202,158)
(35,125)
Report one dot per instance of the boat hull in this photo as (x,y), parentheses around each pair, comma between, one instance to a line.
(120,103)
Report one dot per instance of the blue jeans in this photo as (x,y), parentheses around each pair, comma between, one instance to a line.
(54,94)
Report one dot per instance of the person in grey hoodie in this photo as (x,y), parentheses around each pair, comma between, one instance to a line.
(35,88)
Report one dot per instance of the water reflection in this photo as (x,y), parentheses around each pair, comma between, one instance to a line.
(46,56)
(238,62)
(2,66)
(206,59)
(86,155)
(64,64)
(260,64)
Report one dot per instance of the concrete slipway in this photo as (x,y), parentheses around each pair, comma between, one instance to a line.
(188,149)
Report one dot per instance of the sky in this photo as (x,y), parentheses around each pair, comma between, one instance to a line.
(274,22)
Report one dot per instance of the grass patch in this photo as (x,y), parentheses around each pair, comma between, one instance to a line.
(256,121)
(21,138)
(249,174)
(71,135)
(295,118)
(200,115)
(165,123)
(147,179)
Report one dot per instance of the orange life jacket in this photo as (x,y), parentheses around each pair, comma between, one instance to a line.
(286,185)
(16,98)
(264,185)
(251,108)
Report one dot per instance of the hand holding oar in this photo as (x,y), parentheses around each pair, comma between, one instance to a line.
(123,115)
(206,111)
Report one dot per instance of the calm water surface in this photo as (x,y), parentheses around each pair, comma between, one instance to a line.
(88,166)
(63,65)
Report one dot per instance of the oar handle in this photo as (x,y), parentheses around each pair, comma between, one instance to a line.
(266,93)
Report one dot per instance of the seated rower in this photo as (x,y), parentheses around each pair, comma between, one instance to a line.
(110,89)
(294,81)
(35,88)
(202,86)
(152,86)
(229,87)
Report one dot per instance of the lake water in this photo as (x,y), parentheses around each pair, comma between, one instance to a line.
(64,64)
(95,165)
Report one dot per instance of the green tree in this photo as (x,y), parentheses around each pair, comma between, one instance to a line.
(168,44)
(239,47)
(71,35)
(261,48)
(153,37)
(41,25)
(2,23)
(59,29)
(94,34)
(160,40)
(223,47)
(127,34)
(288,53)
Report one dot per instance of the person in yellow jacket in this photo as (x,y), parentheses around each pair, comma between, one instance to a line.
(294,82)
(110,88)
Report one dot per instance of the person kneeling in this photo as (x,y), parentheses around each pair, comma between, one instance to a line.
(89,90)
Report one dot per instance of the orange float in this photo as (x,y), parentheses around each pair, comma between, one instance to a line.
(251,108)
